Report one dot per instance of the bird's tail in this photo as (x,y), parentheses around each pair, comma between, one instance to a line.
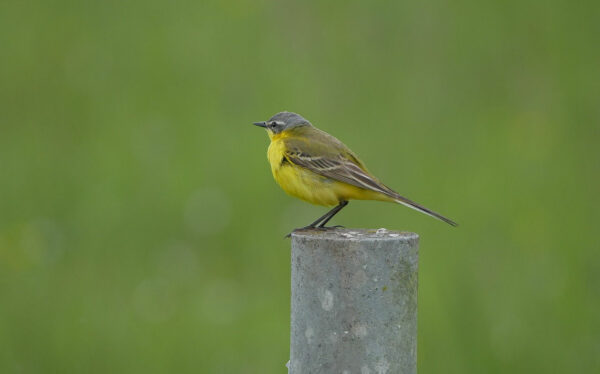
(411,204)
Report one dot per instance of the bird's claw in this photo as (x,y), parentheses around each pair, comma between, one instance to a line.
(300,228)
(318,228)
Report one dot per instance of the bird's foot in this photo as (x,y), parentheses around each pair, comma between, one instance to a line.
(318,228)
(309,227)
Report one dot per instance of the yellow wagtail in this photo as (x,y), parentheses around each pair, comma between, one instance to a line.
(314,166)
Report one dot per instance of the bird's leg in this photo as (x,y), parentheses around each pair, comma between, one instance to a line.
(333,212)
(324,218)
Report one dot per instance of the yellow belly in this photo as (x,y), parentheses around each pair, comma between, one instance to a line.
(306,185)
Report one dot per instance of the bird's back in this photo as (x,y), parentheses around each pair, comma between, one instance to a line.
(318,143)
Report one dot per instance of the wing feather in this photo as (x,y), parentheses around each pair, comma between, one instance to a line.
(338,168)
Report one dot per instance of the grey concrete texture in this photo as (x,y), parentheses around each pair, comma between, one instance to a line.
(354,302)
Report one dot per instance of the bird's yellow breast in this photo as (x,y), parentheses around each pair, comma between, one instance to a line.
(306,185)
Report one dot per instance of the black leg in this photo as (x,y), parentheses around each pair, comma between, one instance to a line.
(333,212)
(324,218)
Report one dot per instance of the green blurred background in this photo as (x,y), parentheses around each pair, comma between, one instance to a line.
(141,230)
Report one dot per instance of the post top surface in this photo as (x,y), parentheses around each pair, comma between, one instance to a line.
(354,234)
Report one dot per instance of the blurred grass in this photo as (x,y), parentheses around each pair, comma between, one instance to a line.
(141,230)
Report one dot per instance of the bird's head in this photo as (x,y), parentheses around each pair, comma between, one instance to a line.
(283,121)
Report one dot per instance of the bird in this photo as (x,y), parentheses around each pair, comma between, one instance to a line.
(316,167)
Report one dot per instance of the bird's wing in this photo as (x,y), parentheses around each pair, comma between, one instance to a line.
(332,161)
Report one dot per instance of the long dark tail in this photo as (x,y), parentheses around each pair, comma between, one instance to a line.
(411,204)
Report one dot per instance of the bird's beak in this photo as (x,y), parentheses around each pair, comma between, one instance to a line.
(261,124)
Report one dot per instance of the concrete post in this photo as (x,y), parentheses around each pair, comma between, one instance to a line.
(354,302)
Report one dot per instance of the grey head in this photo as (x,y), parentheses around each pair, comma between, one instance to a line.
(283,121)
